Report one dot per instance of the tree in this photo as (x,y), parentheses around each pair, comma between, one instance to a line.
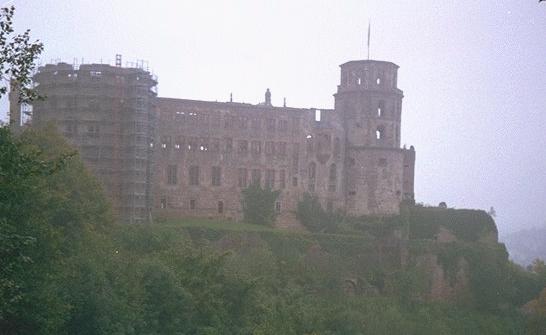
(310,213)
(536,322)
(18,171)
(49,206)
(259,204)
(17,57)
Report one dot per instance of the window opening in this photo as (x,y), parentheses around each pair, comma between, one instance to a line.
(318,115)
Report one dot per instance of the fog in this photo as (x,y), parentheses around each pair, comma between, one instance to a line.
(473,74)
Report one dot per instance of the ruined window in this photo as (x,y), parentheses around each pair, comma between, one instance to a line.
(278,206)
(283,125)
(295,125)
(256,147)
(139,103)
(220,207)
(204,146)
(163,203)
(282,179)
(193,118)
(216,176)
(295,163)
(193,204)
(229,121)
(93,131)
(332,178)
(242,147)
(380,108)
(242,172)
(215,145)
(172,174)
(192,144)
(379,78)
(216,120)
(229,144)
(256,176)
(324,142)
(269,148)
(204,120)
(318,115)
(311,174)
(271,123)
(295,149)
(140,127)
(194,175)
(380,133)
(309,144)
(243,122)
(165,142)
(337,147)
(281,151)
(256,124)
(179,142)
(270,178)
(95,74)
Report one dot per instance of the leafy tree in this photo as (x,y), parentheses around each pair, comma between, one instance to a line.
(259,204)
(17,57)
(18,171)
(311,214)
(536,323)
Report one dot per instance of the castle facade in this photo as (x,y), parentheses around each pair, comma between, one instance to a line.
(165,157)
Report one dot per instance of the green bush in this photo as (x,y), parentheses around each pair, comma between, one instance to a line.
(466,224)
(311,214)
(259,204)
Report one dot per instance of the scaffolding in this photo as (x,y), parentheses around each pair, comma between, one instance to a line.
(107,113)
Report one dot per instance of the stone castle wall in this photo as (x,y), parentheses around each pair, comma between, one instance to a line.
(209,151)
(163,157)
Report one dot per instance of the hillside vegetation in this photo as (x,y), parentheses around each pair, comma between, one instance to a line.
(68,269)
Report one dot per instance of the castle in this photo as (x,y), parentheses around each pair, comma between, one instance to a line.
(165,157)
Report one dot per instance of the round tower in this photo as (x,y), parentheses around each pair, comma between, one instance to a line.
(371,103)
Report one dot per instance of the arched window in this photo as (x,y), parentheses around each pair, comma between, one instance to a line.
(381,108)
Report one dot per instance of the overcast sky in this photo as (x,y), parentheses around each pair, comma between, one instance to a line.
(473,73)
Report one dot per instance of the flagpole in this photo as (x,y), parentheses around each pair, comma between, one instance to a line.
(369,33)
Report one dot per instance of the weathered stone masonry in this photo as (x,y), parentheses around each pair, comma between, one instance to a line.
(163,157)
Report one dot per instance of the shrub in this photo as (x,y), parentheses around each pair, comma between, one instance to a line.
(259,204)
(311,214)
